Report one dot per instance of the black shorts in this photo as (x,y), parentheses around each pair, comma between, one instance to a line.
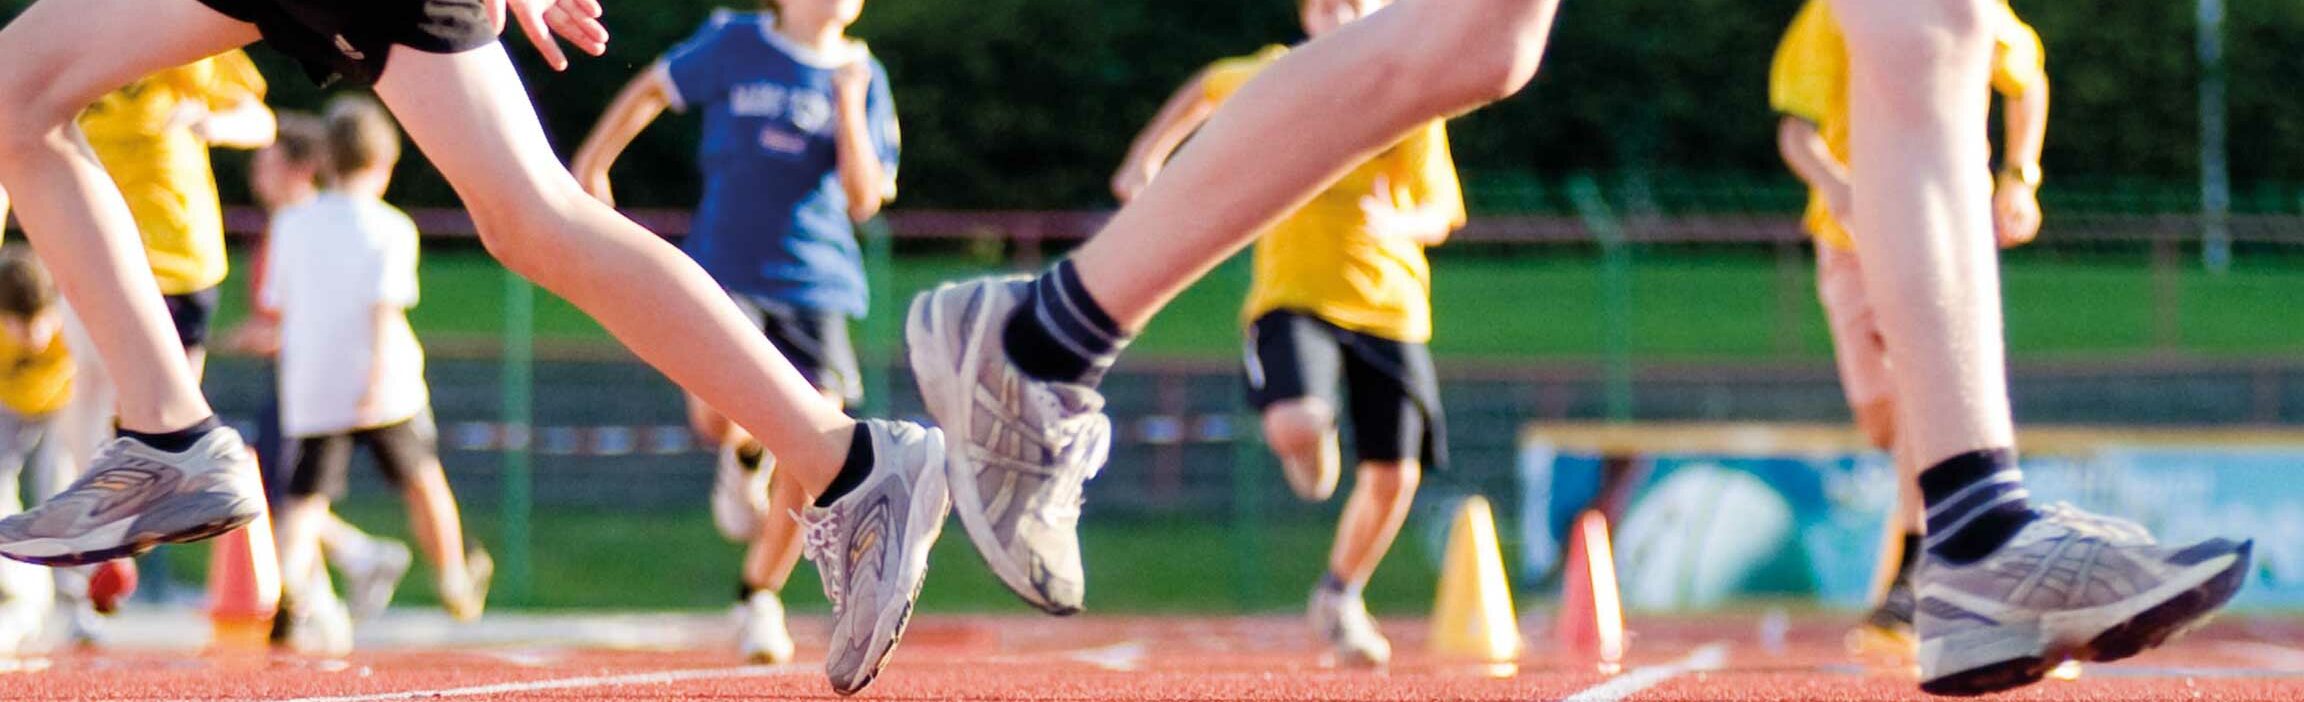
(349,40)
(1395,394)
(814,341)
(323,463)
(192,313)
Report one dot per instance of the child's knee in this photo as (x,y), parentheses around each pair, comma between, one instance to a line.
(521,224)
(1298,425)
(1391,480)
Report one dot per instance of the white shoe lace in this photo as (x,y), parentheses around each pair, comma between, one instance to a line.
(2113,529)
(820,542)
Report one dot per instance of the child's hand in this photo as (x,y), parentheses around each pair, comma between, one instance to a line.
(577,21)
(1385,218)
(2015,213)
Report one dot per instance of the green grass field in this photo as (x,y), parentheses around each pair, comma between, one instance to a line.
(1714,305)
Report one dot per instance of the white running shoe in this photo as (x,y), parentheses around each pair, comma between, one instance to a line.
(315,625)
(1024,447)
(1351,634)
(465,600)
(761,632)
(2069,586)
(369,583)
(134,497)
(739,494)
(27,596)
(871,548)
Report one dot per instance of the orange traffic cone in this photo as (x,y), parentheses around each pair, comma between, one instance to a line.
(243,587)
(1473,618)
(1591,616)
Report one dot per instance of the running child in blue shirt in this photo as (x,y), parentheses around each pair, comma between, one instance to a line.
(800,143)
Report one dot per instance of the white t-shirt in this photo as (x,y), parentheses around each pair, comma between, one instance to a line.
(331,262)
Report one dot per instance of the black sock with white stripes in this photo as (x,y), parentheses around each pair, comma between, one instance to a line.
(1976,502)
(1060,334)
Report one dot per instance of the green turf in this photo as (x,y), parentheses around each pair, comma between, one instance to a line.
(1714,305)
(619,560)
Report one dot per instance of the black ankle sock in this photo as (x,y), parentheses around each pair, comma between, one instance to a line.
(853,470)
(744,590)
(1976,502)
(179,440)
(1060,334)
(748,455)
(1910,556)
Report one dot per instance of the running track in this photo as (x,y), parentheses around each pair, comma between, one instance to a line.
(1725,657)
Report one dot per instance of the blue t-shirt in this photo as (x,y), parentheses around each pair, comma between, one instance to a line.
(774,220)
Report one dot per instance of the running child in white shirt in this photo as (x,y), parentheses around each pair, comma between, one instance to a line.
(341,271)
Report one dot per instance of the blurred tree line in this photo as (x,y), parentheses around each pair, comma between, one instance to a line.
(1030,103)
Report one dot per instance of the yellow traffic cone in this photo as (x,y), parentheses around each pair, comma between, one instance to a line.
(1473,618)
(1591,616)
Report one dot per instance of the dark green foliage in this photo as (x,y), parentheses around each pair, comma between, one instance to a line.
(1029,103)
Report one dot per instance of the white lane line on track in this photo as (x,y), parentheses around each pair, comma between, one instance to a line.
(1711,656)
(655,678)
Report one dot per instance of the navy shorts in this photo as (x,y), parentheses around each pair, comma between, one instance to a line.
(815,342)
(1393,391)
(349,40)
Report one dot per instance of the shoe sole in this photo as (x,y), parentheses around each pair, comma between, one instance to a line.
(936,381)
(903,615)
(238,514)
(2156,625)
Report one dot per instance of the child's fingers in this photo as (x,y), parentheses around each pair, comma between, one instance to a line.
(580,25)
(541,37)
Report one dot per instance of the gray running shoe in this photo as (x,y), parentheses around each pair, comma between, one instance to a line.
(1025,449)
(134,497)
(871,548)
(1351,634)
(370,582)
(2070,586)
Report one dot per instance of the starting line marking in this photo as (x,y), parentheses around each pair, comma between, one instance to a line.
(660,677)
(1708,657)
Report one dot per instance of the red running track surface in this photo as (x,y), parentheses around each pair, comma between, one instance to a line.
(1727,657)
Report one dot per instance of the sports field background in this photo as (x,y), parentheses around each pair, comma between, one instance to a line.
(1723,304)
(1202,524)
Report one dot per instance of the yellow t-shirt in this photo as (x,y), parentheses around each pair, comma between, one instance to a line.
(1323,260)
(34,383)
(162,169)
(1809,81)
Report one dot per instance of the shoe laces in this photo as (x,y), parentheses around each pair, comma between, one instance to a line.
(820,542)
(2083,522)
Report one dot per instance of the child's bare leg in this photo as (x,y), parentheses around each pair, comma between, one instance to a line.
(1918,104)
(298,526)
(1381,496)
(769,560)
(70,207)
(468,113)
(434,519)
(1406,65)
